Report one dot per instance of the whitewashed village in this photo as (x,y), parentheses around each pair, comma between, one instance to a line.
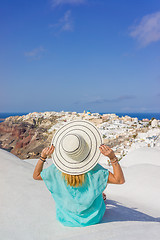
(122,134)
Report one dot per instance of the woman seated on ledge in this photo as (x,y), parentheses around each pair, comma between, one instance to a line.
(75,179)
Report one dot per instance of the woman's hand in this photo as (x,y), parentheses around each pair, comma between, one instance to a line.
(106,151)
(47,151)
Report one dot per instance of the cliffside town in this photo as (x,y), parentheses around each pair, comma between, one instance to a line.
(26,136)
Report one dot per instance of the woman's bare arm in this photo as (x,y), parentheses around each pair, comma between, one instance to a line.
(117,176)
(39,167)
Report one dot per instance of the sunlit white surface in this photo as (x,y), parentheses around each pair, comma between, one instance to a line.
(27,210)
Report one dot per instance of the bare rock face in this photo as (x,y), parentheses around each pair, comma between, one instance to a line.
(25,139)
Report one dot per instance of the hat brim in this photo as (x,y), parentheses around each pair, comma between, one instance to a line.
(93,139)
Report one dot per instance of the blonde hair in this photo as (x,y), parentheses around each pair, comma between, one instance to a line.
(74,180)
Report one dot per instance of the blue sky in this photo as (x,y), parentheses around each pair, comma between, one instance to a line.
(76,55)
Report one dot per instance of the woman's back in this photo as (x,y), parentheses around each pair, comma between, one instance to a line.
(77,206)
(76,148)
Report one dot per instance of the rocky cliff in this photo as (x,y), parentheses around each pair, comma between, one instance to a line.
(26,138)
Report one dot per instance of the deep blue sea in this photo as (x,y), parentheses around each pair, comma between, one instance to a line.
(5,115)
(140,116)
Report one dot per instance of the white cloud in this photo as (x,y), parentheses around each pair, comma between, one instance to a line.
(148,30)
(56,3)
(36,53)
(65,23)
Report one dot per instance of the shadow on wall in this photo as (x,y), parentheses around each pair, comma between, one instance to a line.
(115,212)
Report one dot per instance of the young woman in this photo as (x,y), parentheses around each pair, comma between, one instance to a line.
(75,179)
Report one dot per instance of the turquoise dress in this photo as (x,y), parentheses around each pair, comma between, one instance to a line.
(77,206)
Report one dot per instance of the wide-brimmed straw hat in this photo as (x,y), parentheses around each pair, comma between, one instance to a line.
(76,147)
